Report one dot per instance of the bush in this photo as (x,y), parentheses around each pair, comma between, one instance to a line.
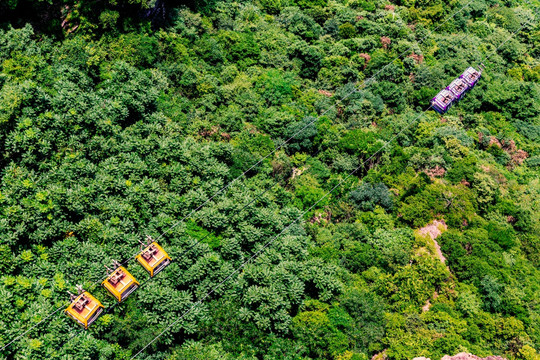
(367,196)
(347,31)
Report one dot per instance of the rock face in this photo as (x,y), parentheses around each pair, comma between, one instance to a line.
(464,356)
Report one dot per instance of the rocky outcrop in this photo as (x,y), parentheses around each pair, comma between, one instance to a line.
(464,356)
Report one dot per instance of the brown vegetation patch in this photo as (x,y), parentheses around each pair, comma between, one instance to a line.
(517,156)
(226,136)
(380,356)
(417,58)
(297,172)
(385,41)
(325,93)
(366,57)
(208,133)
(437,171)
(320,216)
(463,356)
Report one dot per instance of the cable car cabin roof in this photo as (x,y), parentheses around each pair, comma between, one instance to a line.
(85,309)
(153,258)
(471,76)
(458,87)
(442,101)
(120,283)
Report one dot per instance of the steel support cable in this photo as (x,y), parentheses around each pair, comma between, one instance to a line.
(80,331)
(33,327)
(307,125)
(495,51)
(270,242)
(277,181)
(206,236)
(366,82)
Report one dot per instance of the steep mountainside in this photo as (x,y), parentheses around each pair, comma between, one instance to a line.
(284,154)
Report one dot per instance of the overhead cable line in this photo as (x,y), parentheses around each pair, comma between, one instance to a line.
(33,327)
(365,83)
(270,242)
(306,126)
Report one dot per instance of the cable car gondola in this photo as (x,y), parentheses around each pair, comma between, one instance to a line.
(152,257)
(457,88)
(120,282)
(443,101)
(84,308)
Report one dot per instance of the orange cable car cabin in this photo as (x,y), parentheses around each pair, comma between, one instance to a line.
(84,308)
(153,258)
(120,282)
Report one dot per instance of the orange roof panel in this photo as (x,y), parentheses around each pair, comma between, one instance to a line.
(153,258)
(120,283)
(85,309)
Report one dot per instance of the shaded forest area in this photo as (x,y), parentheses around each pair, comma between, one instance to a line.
(118,118)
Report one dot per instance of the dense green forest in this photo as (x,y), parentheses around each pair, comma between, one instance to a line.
(118,118)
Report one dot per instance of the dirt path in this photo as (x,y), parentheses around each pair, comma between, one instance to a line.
(434,229)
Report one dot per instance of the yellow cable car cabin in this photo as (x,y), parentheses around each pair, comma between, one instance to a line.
(120,282)
(153,258)
(84,308)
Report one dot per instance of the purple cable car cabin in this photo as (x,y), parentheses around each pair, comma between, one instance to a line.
(471,76)
(458,87)
(442,101)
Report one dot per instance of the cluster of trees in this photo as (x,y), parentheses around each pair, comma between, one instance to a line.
(119,118)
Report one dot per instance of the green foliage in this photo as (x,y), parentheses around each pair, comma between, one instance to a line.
(366,311)
(200,351)
(299,23)
(109,19)
(118,120)
(277,88)
(309,191)
(455,202)
(360,142)
(318,327)
(367,196)
(347,31)
(310,58)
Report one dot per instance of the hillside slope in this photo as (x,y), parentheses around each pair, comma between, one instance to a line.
(124,119)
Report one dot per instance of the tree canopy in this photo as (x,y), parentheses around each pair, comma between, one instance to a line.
(119,119)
